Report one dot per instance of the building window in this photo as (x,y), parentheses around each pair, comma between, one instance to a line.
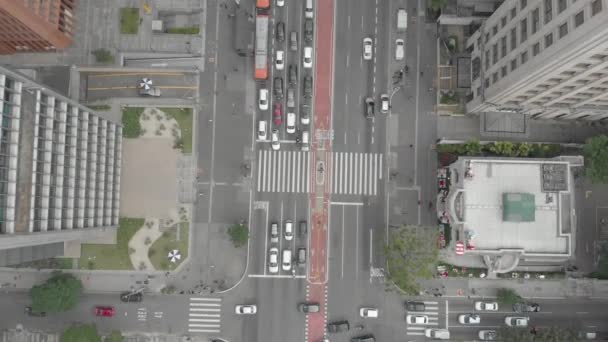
(548,40)
(596,7)
(560,116)
(487,83)
(513,64)
(579,18)
(503,71)
(487,37)
(487,59)
(535,49)
(524,29)
(548,10)
(561,5)
(563,30)
(513,13)
(494,53)
(503,22)
(535,20)
(524,57)
(495,77)
(513,38)
(523,4)
(494,30)
(503,46)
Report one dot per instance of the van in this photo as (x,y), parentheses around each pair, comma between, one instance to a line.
(302,257)
(293,41)
(309,12)
(305,141)
(262,130)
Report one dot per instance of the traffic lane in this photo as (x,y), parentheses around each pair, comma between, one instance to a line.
(126,84)
(259,241)
(347,240)
(342,74)
(277,311)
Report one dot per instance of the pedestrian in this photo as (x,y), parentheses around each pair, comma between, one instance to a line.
(411,145)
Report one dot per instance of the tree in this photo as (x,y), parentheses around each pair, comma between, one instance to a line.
(507,296)
(115,336)
(81,333)
(523,149)
(472,147)
(437,5)
(411,253)
(103,56)
(502,148)
(60,292)
(239,234)
(512,334)
(596,158)
(543,334)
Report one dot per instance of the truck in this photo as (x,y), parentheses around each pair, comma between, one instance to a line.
(401,19)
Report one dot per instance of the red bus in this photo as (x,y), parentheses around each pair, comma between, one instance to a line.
(261,46)
(263,4)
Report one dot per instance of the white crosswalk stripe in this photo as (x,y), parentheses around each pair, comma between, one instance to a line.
(204,315)
(432,312)
(290,171)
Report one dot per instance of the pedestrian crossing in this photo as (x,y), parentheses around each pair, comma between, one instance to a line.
(290,171)
(432,312)
(204,315)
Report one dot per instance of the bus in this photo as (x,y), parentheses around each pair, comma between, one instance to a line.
(262,4)
(261,46)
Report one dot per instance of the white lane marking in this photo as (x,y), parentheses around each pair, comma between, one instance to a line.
(205,309)
(375,179)
(266,228)
(308,189)
(357,243)
(272,179)
(365,175)
(260,152)
(213,331)
(342,246)
(348,21)
(447,312)
(204,320)
(380,169)
(284,185)
(204,315)
(356,170)
(347,64)
(206,299)
(195,304)
(347,203)
(278,276)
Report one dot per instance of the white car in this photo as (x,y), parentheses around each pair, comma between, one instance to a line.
(487,335)
(262,130)
(280,3)
(307,59)
(286,260)
(288,230)
(385,104)
(367,48)
(274,141)
(291,123)
(246,309)
(368,312)
(517,321)
(486,306)
(273,260)
(399,49)
(417,319)
(439,334)
(280,60)
(263,99)
(469,319)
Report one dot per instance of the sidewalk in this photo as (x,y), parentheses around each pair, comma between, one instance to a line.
(527,288)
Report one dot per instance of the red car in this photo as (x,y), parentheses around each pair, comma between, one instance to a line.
(278,114)
(104,311)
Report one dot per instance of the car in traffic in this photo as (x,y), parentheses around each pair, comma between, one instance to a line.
(303,229)
(308,30)
(130,297)
(305,114)
(277,116)
(301,257)
(338,326)
(307,57)
(514,321)
(280,60)
(288,234)
(486,306)
(384,104)
(487,335)
(104,311)
(469,319)
(32,313)
(280,31)
(438,334)
(263,99)
(305,141)
(415,306)
(291,123)
(286,265)
(363,338)
(246,309)
(278,88)
(293,41)
(526,307)
(273,260)
(280,3)
(309,307)
(293,75)
(369,108)
(417,319)
(399,49)
(291,97)
(274,227)
(307,87)
(368,46)
(275,143)
(262,130)
(368,312)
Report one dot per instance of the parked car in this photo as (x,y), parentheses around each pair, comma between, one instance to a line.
(305,141)
(30,312)
(486,306)
(399,49)
(129,297)
(526,307)
(415,306)
(514,321)
(273,260)
(363,338)
(291,123)
(278,114)
(368,46)
(263,99)
(293,41)
(291,97)
(487,335)
(368,312)
(384,104)
(308,30)
(275,143)
(286,259)
(308,87)
(469,319)
(301,257)
(104,311)
(369,108)
(274,227)
(280,60)
(246,309)
(305,114)
(438,334)
(280,31)
(278,88)
(293,75)
(417,319)
(262,130)
(307,58)
(338,326)
(288,234)
(308,307)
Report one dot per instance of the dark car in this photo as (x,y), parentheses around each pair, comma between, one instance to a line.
(308,307)
(280,31)
(303,229)
(129,297)
(364,338)
(338,326)
(30,312)
(415,306)
(293,75)
(369,108)
(308,87)
(308,30)
(278,88)
(526,307)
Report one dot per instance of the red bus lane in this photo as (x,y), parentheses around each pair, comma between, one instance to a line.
(320,168)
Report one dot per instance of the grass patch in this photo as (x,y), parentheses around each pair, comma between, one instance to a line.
(183,116)
(168,242)
(111,257)
(457,271)
(184,30)
(129,20)
(103,56)
(48,264)
(130,122)
(101,107)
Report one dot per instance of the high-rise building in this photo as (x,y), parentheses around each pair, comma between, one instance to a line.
(60,167)
(35,25)
(544,58)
